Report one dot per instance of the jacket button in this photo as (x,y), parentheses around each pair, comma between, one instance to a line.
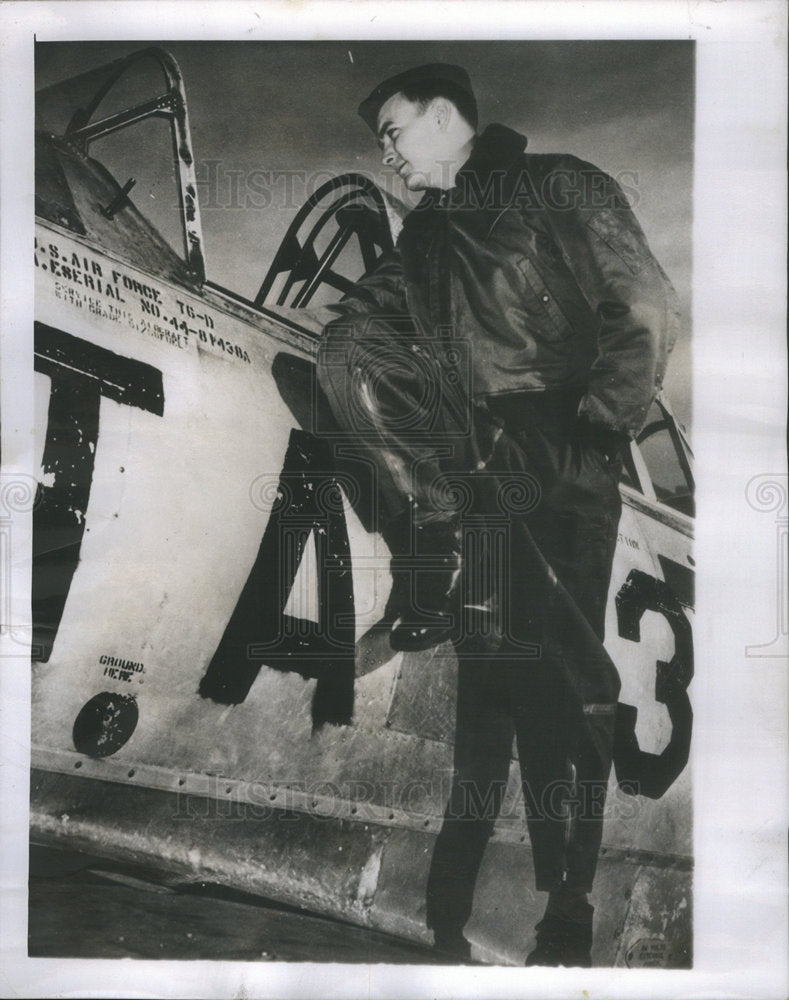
(546,298)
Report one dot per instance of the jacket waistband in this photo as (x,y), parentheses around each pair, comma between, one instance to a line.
(550,409)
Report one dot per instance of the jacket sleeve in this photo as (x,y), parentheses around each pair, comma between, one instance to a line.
(627,290)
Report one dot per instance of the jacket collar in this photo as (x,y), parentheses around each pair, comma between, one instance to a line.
(483,182)
(495,151)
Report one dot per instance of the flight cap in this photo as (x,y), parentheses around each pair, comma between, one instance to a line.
(439,72)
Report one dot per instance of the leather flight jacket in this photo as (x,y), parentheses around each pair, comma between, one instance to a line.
(536,272)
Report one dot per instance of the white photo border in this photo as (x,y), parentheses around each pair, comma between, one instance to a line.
(739,350)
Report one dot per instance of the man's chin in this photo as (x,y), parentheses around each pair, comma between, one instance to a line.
(415,182)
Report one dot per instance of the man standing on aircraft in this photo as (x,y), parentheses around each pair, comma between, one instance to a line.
(517,335)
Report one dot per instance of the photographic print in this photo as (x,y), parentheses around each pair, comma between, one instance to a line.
(247,671)
(361,509)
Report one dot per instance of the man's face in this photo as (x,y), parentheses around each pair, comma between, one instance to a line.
(412,142)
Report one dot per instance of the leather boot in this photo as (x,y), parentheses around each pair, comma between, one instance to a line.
(450,941)
(396,532)
(433,614)
(564,938)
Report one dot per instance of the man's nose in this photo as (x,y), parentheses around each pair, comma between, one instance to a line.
(387,154)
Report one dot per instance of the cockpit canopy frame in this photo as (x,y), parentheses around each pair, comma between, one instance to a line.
(82,130)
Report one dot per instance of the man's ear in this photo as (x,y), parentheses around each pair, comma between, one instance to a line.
(442,111)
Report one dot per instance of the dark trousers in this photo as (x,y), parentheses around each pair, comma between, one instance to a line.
(535,695)
(545,678)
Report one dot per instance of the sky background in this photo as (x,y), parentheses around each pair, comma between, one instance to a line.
(290,107)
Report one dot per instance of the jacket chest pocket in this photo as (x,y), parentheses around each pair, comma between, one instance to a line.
(545,300)
(509,235)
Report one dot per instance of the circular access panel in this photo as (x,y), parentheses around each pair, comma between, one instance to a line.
(105,723)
